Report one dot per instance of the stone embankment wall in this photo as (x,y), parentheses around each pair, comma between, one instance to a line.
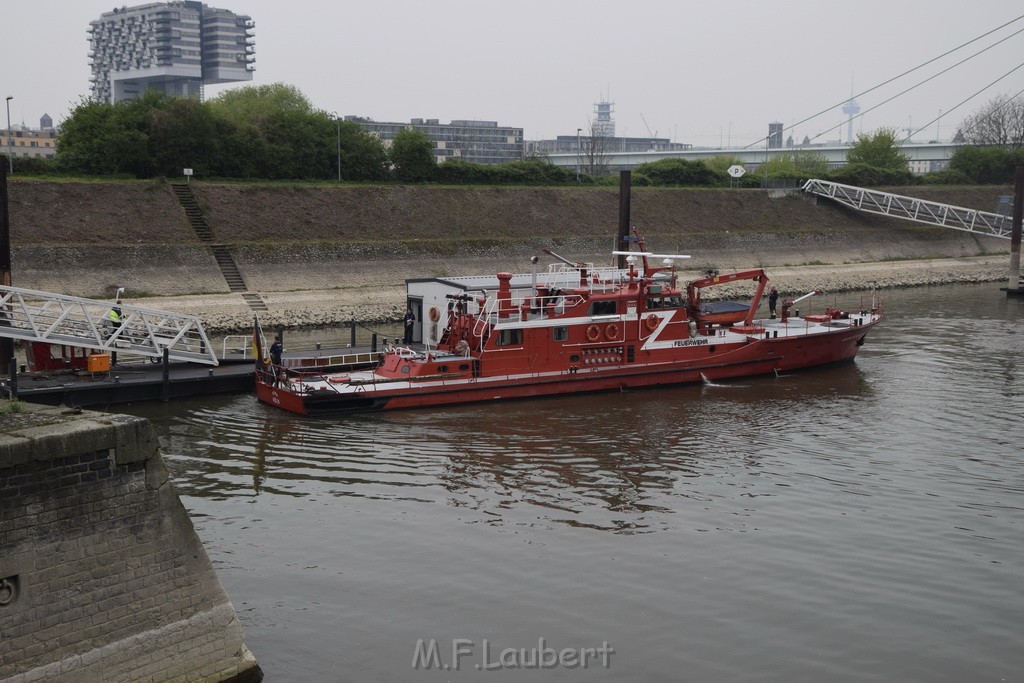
(102,576)
(87,239)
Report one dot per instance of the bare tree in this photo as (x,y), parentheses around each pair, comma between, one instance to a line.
(594,149)
(464,142)
(999,122)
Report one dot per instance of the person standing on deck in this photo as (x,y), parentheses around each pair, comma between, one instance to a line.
(276,350)
(410,320)
(773,298)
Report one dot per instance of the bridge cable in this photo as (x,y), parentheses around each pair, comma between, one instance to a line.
(909,71)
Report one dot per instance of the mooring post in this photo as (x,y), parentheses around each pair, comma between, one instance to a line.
(12,373)
(6,343)
(1013,284)
(625,181)
(373,343)
(353,342)
(165,389)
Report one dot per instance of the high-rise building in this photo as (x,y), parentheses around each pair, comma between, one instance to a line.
(775,135)
(175,47)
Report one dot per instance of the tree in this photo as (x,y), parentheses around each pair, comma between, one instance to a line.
(104,139)
(999,122)
(801,164)
(412,156)
(594,149)
(880,149)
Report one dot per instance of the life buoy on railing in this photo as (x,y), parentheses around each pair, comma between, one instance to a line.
(435,314)
(612,331)
(593,333)
(652,322)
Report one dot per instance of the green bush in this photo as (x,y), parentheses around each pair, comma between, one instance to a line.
(949,176)
(680,172)
(871,176)
(987,165)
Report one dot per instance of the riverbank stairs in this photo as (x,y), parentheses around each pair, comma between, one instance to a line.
(225,261)
(35,316)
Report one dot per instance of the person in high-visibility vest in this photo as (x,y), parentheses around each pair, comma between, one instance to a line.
(114,319)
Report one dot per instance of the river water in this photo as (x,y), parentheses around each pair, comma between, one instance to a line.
(856,522)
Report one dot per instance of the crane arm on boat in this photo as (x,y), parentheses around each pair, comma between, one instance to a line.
(789,304)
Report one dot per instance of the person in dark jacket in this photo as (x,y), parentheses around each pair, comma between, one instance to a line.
(276,350)
(410,321)
(773,298)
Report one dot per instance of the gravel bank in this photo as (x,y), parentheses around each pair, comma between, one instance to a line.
(303,308)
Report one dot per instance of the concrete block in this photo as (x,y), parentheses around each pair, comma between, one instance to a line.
(14,450)
(66,439)
(135,439)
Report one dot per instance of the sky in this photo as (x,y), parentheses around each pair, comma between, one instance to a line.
(709,73)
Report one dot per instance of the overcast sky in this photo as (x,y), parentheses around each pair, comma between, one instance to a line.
(705,73)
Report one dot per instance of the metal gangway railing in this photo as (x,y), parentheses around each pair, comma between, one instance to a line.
(58,319)
(908,208)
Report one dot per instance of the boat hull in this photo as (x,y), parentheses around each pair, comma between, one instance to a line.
(754,357)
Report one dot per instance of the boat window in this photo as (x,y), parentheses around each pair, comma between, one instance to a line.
(603,308)
(674,302)
(653,303)
(405,369)
(574,358)
(510,338)
(442,368)
(463,366)
(560,334)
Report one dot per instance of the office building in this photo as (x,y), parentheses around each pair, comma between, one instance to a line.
(174,47)
(21,142)
(482,142)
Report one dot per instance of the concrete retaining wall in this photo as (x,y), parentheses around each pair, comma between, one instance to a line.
(102,576)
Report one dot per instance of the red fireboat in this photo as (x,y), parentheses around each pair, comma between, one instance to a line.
(628,329)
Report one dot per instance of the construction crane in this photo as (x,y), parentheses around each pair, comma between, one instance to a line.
(652,135)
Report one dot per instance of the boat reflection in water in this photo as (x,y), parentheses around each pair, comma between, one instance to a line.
(603,460)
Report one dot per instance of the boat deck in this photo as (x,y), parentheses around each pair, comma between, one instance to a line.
(146,381)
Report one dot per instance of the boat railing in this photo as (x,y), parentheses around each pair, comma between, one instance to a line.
(537,307)
(563,276)
(240,344)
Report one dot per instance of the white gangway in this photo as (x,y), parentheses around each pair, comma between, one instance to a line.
(58,319)
(908,208)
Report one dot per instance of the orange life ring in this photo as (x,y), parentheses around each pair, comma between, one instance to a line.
(435,314)
(612,331)
(652,322)
(593,333)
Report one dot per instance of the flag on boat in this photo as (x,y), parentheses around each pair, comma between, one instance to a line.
(257,344)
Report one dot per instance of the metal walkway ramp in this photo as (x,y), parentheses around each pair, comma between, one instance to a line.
(908,208)
(57,319)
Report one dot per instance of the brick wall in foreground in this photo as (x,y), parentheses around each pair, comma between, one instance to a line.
(102,576)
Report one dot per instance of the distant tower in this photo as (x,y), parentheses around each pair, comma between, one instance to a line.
(45,122)
(851,109)
(604,125)
(774,135)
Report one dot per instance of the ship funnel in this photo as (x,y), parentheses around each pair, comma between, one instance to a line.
(504,295)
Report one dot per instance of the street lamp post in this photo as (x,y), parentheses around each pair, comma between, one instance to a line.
(579,151)
(337,120)
(10,140)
